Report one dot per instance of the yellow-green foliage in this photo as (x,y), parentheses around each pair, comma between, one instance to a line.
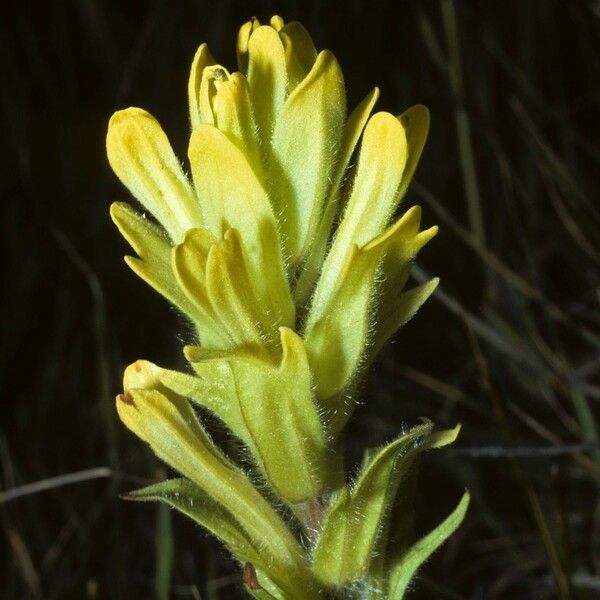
(290,263)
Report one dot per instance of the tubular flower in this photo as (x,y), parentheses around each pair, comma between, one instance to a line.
(290,264)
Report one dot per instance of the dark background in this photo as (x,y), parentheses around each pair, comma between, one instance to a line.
(509,346)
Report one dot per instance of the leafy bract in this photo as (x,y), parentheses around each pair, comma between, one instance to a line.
(169,426)
(270,407)
(338,330)
(192,501)
(303,158)
(311,268)
(356,518)
(405,567)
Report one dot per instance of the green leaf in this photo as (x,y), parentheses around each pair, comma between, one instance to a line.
(405,567)
(353,524)
(344,548)
(191,500)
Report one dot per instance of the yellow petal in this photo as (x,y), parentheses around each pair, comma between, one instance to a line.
(154,250)
(243,38)
(202,59)
(300,52)
(172,429)
(212,78)
(234,115)
(188,263)
(352,131)
(231,293)
(141,156)
(207,390)
(305,143)
(267,77)
(416,125)
(277,22)
(373,198)
(281,424)
(232,197)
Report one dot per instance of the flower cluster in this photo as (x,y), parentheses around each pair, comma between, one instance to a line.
(290,262)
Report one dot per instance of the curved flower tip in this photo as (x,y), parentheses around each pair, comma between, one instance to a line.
(141,375)
(142,158)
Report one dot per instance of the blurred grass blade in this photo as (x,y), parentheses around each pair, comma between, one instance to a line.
(463,127)
(164,552)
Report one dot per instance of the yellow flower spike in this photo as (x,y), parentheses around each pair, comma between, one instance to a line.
(267,77)
(305,143)
(170,427)
(141,156)
(232,197)
(293,281)
(202,59)
(300,52)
